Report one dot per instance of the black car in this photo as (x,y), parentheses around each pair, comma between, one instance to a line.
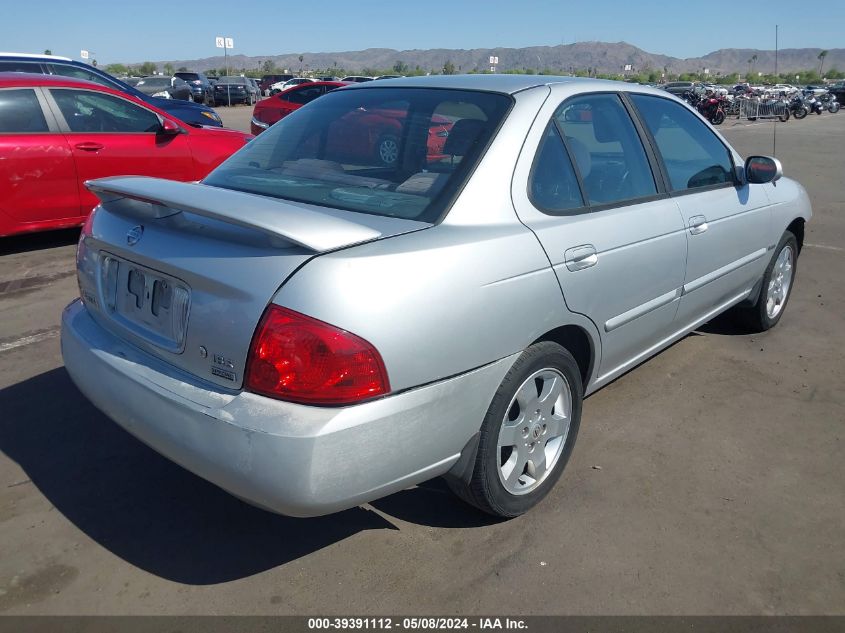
(201,87)
(679,88)
(190,113)
(838,90)
(232,90)
(166,88)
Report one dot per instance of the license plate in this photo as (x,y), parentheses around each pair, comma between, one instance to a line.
(153,305)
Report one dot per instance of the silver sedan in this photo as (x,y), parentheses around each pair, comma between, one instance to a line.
(311,327)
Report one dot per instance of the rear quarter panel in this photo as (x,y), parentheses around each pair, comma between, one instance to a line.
(437,302)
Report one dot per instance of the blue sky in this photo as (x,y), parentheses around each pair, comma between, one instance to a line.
(185,29)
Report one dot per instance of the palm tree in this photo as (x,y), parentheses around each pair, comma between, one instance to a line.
(300,63)
(822,55)
(753,62)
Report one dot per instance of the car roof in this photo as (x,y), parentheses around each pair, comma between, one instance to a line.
(507,84)
(13,79)
(35,56)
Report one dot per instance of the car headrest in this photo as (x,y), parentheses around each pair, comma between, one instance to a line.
(606,124)
(463,136)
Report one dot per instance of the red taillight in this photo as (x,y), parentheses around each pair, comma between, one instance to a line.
(294,357)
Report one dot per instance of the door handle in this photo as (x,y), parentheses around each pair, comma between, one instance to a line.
(580,257)
(697,224)
(89,146)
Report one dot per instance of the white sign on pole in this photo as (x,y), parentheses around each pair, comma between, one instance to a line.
(628,67)
(494,60)
(759,74)
(706,71)
(83,54)
(230,43)
(219,42)
(492,69)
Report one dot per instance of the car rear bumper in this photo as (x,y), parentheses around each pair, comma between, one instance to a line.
(284,457)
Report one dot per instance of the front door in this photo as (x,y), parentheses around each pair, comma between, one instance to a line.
(615,240)
(726,223)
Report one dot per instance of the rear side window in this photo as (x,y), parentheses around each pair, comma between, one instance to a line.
(554,186)
(87,111)
(20,67)
(397,152)
(20,112)
(693,155)
(79,73)
(607,149)
(306,95)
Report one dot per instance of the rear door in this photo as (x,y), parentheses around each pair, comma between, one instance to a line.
(111,136)
(38,181)
(727,223)
(615,239)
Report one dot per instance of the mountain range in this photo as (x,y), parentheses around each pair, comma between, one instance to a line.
(604,57)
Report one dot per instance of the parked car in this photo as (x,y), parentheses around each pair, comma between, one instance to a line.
(254,83)
(201,87)
(369,136)
(358,79)
(268,80)
(191,113)
(165,88)
(131,81)
(389,77)
(233,90)
(336,331)
(271,110)
(837,89)
(281,86)
(678,88)
(58,132)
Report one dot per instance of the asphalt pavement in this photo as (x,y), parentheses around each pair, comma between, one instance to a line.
(709,480)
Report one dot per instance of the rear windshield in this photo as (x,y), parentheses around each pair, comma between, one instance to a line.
(232,80)
(398,152)
(188,76)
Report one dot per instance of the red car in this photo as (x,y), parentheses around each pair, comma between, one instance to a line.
(269,111)
(57,132)
(362,134)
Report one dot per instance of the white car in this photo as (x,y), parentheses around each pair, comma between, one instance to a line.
(284,85)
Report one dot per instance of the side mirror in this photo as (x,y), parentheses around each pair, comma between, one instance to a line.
(762,169)
(170,128)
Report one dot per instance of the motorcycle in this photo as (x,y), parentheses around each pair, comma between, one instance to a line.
(813,104)
(829,102)
(798,108)
(711,107)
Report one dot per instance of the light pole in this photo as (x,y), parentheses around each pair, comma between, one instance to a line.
(226,43)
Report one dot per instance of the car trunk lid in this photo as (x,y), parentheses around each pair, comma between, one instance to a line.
(185,271)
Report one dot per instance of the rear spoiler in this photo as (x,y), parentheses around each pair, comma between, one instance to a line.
(303,225)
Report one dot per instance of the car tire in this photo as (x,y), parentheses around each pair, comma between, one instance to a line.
(524,429)
(776,287)
(387,150)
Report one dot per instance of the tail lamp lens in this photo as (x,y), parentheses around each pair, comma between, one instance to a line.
(296,358)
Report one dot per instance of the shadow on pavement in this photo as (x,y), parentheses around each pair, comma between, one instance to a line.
(142,507)
(38,241)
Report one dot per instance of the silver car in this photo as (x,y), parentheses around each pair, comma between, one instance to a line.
(310,328)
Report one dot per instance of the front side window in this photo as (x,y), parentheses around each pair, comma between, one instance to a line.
(79,73)
(20,112)
(398,152)
(606,148)
(693,155)
(87,111)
